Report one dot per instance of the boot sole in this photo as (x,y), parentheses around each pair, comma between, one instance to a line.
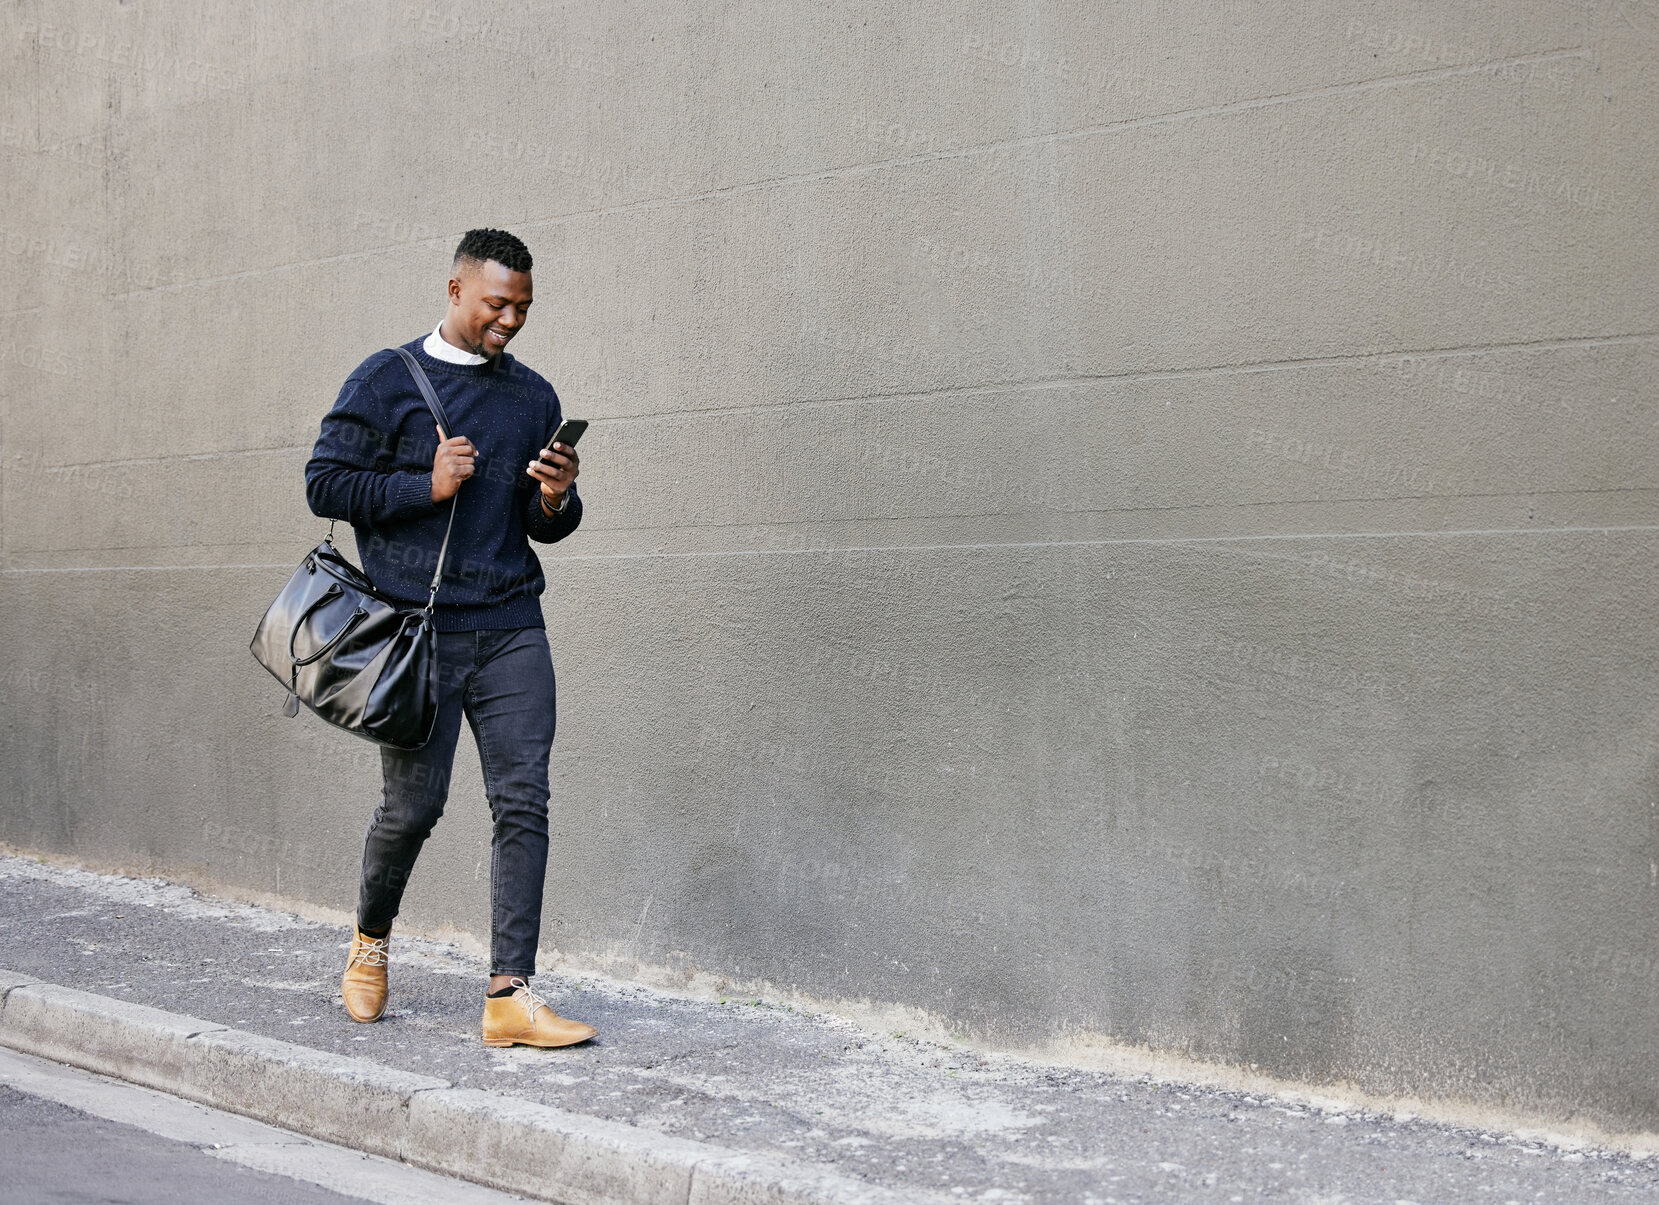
(539,1045)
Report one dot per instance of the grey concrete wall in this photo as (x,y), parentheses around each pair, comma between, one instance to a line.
(1111,520)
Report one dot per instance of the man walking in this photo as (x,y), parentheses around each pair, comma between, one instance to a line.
(380,463)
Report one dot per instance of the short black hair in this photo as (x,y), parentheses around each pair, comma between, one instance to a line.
(485,244)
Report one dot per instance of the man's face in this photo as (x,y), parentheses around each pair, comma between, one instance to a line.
(488,304)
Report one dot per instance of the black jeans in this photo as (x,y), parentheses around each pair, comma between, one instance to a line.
(502,681)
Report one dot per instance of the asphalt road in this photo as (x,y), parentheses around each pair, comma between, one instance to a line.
(53,1153)
(68,1136)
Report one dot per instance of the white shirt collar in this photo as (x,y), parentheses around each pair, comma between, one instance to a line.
(440,348)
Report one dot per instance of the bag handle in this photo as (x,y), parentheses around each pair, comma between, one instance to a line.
(357,617)
(432,404)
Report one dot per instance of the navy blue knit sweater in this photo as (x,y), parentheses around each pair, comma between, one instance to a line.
(372,466)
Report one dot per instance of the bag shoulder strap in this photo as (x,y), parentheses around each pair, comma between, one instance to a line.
(431,397)
(424,383)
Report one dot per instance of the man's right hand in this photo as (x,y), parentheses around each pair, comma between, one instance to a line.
(452,465)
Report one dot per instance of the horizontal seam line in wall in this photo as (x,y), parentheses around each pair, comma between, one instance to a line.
(1200,508)
(1102,543)
(1243,368)
(142,568)
(1196,508)
(1111,127)
(240,544)
(181,456)
(1131,123)
(99,137)
(252,273)
(34,309)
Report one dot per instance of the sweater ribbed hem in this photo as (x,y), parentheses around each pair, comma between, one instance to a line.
(521,612)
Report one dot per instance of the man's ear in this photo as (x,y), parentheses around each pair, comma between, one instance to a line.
(454,290)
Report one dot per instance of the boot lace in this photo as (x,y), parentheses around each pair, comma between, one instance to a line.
(371,951)
(526,996)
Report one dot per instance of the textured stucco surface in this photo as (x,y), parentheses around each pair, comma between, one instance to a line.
(1120,520)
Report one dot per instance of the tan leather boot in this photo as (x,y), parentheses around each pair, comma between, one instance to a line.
(363,986)
(524,1019)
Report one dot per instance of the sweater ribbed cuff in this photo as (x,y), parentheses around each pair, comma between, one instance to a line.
(548,529)
(411,494)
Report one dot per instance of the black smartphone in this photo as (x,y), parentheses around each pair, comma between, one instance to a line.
(570,430)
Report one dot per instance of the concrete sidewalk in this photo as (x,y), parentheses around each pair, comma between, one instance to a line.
(679,1100)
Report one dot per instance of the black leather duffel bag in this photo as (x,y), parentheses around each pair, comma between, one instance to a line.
(361,661)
